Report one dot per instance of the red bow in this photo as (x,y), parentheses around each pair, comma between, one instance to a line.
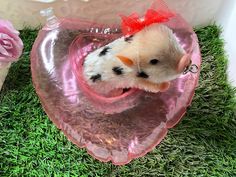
(133,23)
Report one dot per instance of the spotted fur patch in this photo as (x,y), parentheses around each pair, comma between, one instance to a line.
(129,38)
(96,77)
(104,51)
(142,74)
(118,70)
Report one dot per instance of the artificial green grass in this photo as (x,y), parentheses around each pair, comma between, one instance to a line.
(202,144)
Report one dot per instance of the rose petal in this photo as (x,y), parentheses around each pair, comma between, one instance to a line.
(14,52)
(9,26)
(7,44)
(8,34)
(11,45)
(5,36)
(4,52)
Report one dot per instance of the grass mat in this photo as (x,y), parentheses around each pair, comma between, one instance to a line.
(202,144)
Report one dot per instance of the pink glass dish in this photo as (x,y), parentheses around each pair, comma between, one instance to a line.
(116,129)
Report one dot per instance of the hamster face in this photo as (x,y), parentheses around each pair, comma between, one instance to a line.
(156,54)
(148,60)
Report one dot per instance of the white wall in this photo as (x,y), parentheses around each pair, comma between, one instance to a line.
(26,12)
(227,19)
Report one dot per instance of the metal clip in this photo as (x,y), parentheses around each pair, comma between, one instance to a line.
(192,68)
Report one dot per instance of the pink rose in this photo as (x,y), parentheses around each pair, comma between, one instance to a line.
(11,45)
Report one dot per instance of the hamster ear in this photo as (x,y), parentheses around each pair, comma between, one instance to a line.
(164,86)
(183,63)
(125,60)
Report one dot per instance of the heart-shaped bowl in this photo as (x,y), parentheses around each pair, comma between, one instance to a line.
(119,128)
(79,49)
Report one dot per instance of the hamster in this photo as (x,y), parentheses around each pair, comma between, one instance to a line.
(147,60)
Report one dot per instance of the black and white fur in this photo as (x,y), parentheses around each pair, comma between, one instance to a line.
(154,51)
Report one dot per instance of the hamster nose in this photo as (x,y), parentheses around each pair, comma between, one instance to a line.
(184,62)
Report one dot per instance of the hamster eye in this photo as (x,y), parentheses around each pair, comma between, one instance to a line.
(154,61)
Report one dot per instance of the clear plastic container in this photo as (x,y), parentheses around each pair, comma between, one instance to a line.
(116,129)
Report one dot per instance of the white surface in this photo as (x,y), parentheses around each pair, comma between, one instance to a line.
(26,12)
(227,19)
